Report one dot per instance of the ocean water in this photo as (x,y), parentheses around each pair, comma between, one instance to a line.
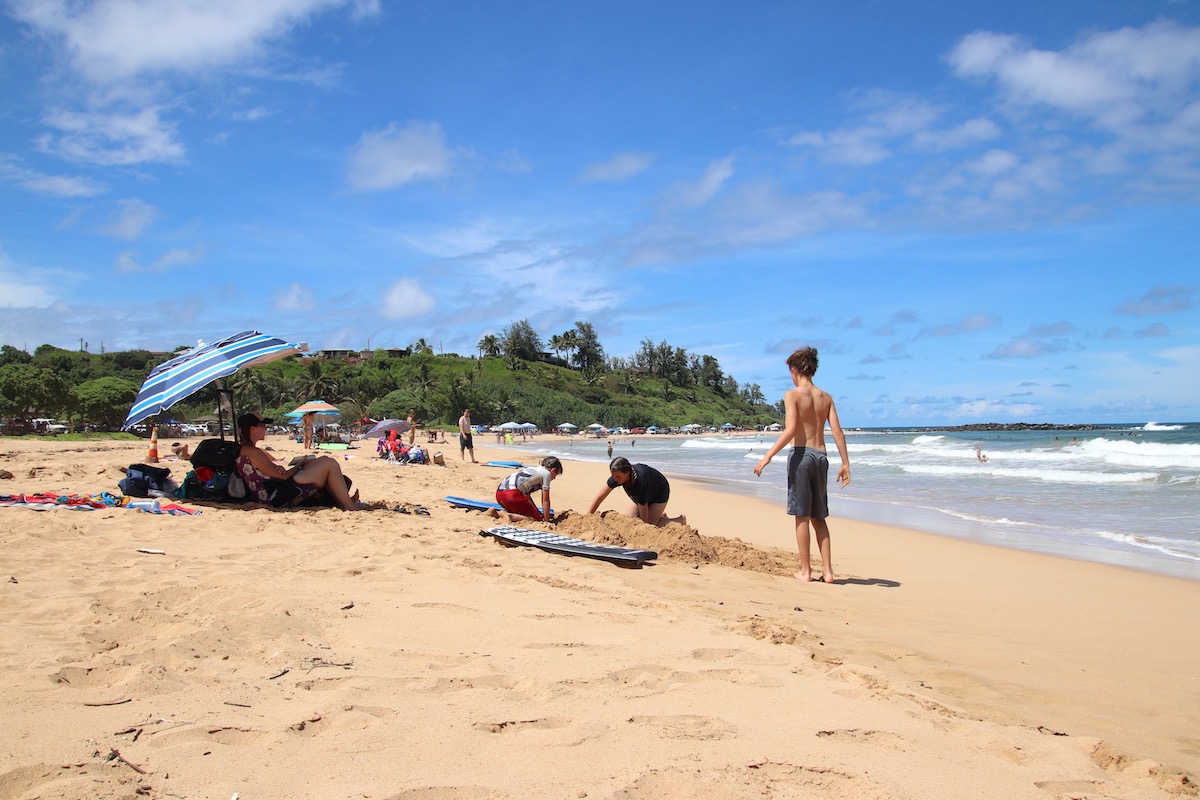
(1126,495)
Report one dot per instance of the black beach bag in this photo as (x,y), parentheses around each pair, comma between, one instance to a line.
(215,453)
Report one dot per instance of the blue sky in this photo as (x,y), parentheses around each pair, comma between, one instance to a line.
(977,213)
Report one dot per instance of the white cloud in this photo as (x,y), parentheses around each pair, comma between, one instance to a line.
(23,287)
(48,185)
(395,156)
(973,131)
(251,114)
(112,139)
(405,299)
(969,323)
(621,167)
(114,40)
(296,297)
(991,408)
(1026,348)
(696,193)
(1160,300)
(127,260)
(1153,330)
(993,162)
(1114,78)
(886,118)
(132,219)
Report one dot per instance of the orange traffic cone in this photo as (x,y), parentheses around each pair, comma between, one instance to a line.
(152,458)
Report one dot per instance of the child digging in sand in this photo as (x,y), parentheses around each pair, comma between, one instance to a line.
(513,492)
(807,410)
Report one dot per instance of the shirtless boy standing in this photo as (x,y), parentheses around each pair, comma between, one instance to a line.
(807,409)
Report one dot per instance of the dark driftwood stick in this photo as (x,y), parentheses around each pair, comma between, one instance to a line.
(117,755)
(279,674)
(111,702)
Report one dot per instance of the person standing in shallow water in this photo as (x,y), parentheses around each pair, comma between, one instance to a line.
(807,411)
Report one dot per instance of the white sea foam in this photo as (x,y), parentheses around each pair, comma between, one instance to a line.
(1125,452)
(1165,546)
(1154,426)
(1051,475)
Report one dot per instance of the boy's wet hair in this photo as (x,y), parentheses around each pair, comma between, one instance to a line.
(552,462)
(804,361)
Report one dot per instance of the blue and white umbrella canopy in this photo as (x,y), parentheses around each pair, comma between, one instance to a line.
(383,426)
(191,371)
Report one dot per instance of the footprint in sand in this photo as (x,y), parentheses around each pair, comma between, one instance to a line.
(687,726)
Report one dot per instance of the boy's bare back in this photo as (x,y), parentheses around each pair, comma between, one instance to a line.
(812,407)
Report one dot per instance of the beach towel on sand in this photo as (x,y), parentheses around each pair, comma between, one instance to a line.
(45,501)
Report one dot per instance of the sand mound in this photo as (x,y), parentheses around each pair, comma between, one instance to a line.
(677,543)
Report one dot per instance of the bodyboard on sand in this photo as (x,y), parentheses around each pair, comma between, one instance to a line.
(465,502)
(506,464)
(477,505)
(570,546)
(334,446)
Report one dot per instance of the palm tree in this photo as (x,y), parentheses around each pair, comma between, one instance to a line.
(422,382)
(556,344)
(422,346)
(490,345)
(629,382)
(570,342)
(250,387)
(501,405)
(315,384)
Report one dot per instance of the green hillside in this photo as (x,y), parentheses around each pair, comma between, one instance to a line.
(517,381)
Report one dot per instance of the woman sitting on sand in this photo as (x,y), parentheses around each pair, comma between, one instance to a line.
(257,468)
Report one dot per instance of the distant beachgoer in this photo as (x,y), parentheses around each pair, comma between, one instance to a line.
(647,488)
(610,449)
(979,454)
(466,440)
(308,430)
(181,450)
(513,493)
(412,426)
(808,409)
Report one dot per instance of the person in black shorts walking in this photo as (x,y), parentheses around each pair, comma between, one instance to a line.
(646,487)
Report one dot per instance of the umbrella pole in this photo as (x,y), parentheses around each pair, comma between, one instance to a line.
(224,397)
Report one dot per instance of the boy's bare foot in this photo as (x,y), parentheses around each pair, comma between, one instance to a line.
(804,576)
(493,513)
(827,577)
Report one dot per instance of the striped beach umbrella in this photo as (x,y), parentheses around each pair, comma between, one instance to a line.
(313,407)
(191,371)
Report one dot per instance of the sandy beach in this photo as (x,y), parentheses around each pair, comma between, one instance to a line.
(381,654)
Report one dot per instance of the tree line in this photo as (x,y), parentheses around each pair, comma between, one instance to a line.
(514,375)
